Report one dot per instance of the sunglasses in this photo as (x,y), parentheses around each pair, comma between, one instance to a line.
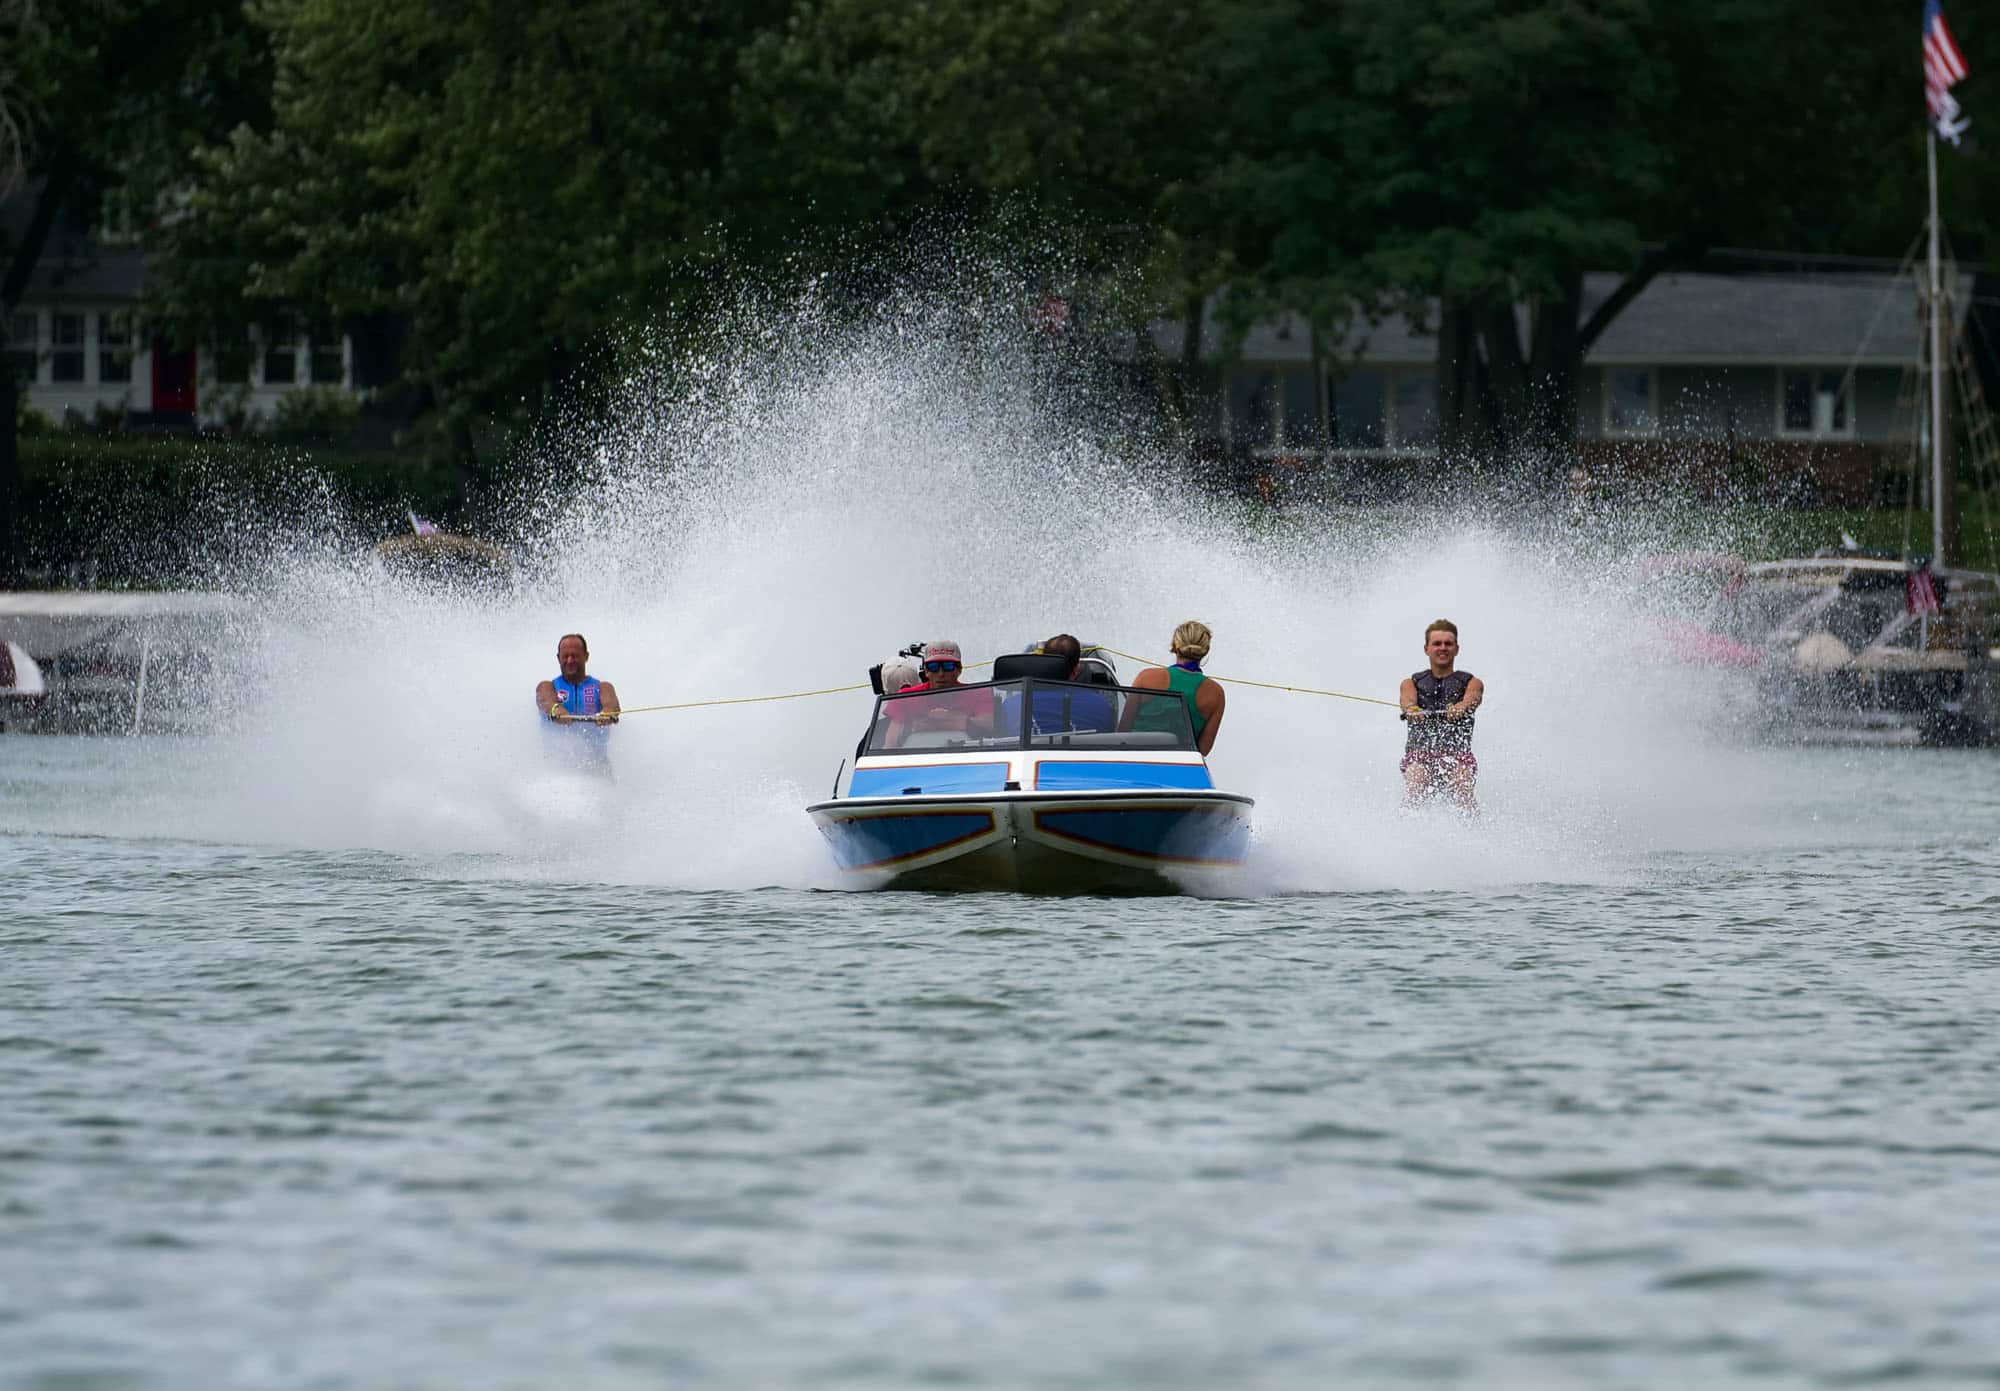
(941,666)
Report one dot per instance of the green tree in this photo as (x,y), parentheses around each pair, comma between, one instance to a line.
(96,97)
(1074,129)
(1482,155)
(492,190)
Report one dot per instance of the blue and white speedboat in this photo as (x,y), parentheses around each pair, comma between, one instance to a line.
(1032,783)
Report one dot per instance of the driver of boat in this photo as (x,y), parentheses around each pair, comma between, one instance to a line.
(574,697)
(953,708)
(1076,712)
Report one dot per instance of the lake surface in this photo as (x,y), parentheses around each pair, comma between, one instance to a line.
(1709,1102)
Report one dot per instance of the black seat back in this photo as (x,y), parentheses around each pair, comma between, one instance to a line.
(1035,666)
(1095,671)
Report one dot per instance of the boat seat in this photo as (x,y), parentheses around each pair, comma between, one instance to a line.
(1039,666)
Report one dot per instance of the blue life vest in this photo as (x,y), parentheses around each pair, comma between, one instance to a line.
(582,698)
(584,745)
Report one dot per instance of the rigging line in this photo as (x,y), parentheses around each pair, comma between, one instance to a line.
(1978,420)
(1984,479)
(1894,284)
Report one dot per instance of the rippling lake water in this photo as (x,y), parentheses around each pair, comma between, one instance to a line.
(1715,1108)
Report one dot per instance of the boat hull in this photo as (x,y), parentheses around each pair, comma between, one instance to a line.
(1037,842)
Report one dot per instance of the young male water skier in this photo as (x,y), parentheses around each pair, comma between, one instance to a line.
(1438,704)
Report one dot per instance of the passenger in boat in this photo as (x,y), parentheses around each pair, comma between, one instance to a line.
(901,673)
(1438,704)
(1088,712)
(575,699)
(955,711)
(1202,693)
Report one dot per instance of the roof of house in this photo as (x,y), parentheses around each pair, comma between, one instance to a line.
(1835,319)
(112,274)
(75,265)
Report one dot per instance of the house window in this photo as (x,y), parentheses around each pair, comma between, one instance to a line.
(324,358)
(1815,403)
(231,359)
(24,345)
(1273,409)
(1250,405)
(114,348)
(65,347)
(117,226)
(1298,410)
(1416,420)
(1358,419)
(281,356)
(1630,407)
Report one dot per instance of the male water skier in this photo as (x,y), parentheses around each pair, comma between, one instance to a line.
(575,698)
(1438,704)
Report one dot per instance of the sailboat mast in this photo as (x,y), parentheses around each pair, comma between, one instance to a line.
(1942,497)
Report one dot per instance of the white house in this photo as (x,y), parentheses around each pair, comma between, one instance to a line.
(1808,358)
(79,344)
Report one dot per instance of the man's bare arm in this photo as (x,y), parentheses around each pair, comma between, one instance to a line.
(607,701)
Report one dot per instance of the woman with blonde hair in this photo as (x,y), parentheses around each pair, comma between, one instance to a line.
(1185,678)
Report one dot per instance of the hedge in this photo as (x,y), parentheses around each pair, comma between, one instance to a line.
(168,511)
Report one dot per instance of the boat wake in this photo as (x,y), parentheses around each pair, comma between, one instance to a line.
(779,518)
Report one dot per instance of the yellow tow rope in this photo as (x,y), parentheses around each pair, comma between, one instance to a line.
(1268,685)
(863,685)
(754,700)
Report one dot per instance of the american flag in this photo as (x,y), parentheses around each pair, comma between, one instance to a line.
(1944,68)
(1920,592)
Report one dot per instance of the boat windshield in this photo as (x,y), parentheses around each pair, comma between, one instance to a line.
(1029,714)
(1759,612)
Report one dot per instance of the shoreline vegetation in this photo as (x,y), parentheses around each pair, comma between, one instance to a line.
(155,513)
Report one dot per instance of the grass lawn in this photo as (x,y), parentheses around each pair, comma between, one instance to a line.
(1770,535)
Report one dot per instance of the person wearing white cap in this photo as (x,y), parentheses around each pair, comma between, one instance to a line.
(901,673)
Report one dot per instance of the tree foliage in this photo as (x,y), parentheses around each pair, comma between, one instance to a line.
(1485,154)
(488,189)
(487,196)
(101,96)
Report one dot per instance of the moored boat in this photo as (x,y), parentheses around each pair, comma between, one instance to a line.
(1870,649)
(1035,783)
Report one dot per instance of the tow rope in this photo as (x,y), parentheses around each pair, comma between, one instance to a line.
(970,666)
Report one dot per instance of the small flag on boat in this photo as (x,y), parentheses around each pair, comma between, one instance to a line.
(1944,68)
(421,526)
(1920,591)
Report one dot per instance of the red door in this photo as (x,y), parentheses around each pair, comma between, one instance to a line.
(173,379)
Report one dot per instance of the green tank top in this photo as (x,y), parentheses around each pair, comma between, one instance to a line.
(1158,715)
